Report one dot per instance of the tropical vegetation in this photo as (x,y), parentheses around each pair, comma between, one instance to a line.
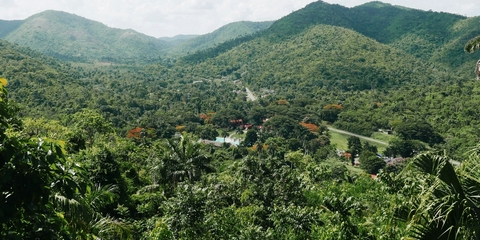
(128,136)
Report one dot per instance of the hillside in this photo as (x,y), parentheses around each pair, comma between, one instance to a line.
(70,37)
(322,56)
(221,35)
(424,34)
(124,93)
(432,37)
(42,85)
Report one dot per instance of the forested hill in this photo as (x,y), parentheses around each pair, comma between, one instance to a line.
(433,37)
(41,84)
(71,37)
(221,35)
(321,56)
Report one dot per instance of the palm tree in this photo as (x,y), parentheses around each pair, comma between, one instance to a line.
(448,203)
(343,208)
(472,46)
(184,159)
(82,214)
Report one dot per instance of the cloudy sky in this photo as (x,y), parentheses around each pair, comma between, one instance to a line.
(160,18)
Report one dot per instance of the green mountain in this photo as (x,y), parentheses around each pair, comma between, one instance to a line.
(221,35)
(431,36)
(321,56)
(421,42)
(70,37)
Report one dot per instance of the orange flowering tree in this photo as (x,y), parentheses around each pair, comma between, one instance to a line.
(310,126)
(139,133)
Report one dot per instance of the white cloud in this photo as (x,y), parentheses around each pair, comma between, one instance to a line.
(7,3)
(171,17)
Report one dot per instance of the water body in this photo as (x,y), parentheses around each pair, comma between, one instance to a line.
(227,140)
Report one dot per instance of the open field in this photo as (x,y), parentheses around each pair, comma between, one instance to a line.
(341,140)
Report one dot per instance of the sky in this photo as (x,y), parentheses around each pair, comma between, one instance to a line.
(167,18)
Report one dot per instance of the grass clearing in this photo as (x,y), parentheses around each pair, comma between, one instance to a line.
(382,136)
(341,140)
(355,170)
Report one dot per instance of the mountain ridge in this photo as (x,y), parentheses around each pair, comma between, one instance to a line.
(71,37)
(422,34)
(429,36)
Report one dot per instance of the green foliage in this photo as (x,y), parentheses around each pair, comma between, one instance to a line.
(370,162)
(287,128)
(186,212)
(206,132)
(183,160)
(223,117)
(371,64)
(33,172)
(355,147)
(368,147)
(251,138)
(404,148)
(102,167)
(418,130)
(90,124)
(446,205)
(385,67)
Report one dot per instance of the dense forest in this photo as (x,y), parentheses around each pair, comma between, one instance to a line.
(111,134)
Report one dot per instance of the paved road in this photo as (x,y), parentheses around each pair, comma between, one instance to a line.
(356,135)
(250,94)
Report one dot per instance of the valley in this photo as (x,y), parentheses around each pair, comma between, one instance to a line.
(112,134)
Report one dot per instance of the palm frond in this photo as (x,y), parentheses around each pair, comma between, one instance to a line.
(149,188)
(65,204)
(439,167)
(112,228)
(448,206)
(431,231)
(100,196)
